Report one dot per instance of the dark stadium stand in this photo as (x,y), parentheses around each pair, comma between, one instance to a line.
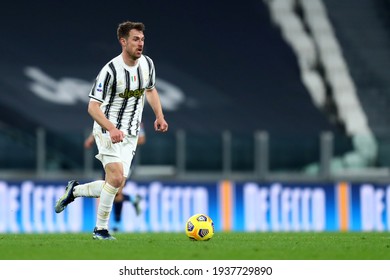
(231,64)
(364,33)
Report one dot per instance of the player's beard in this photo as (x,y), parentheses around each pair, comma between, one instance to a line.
(134,55)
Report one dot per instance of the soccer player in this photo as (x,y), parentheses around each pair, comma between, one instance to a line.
(116,105)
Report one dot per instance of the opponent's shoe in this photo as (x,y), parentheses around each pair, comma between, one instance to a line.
(136,203)
(116,227)
(67,197)
(102,234)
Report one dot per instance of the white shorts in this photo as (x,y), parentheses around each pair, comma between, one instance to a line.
(109,152)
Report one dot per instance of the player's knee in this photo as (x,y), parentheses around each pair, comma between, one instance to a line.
(115,176)
(117,181)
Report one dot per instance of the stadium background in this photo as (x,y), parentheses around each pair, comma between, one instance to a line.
(248,144)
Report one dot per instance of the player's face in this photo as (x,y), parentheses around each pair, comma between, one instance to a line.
(135,44)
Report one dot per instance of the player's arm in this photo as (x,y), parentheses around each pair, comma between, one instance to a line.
(89,141)
(141,135)
(96,113)
(154,101)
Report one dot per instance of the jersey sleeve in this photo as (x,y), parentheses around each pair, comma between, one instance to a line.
(152,74)
(102,85)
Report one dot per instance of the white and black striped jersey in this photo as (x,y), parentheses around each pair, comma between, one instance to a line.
(121,90)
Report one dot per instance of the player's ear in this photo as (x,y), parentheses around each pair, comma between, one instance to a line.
(122,41)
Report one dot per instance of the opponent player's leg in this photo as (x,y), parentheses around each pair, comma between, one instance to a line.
(118,205)
(121,198)
(135,201)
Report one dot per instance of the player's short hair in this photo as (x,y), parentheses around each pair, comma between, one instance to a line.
(125,27)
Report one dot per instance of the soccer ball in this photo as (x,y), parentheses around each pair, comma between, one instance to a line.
(200,227)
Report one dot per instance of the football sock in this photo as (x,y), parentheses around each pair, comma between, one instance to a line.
(118,210)
(91,189)
(107,197)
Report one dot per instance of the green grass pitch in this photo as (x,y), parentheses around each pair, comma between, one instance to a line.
(176,246)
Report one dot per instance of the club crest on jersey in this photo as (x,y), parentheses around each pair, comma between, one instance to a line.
(132,93)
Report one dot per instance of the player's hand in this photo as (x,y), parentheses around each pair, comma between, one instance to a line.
(116,135)
(88,143)
(160,125)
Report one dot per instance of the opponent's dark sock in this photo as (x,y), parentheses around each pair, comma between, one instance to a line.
(118,210)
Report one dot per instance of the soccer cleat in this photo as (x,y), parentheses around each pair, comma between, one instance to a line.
(136,203)
(102,234)
(67,198)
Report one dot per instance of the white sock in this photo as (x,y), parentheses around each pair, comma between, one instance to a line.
(91,189)
(105,205)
